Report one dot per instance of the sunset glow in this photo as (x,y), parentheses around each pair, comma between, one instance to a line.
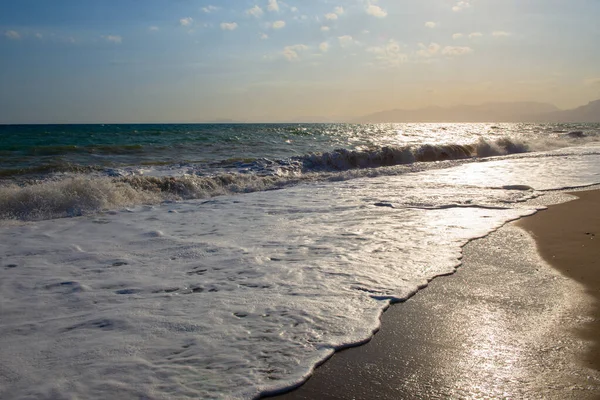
(193,61)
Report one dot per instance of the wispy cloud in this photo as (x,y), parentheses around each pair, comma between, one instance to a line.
(255,11)
(188,21)
(229,26)
(453,51)
(113,39)
(324,47)
(13,35)
(457,36)
(474,35)
(389,54)
(501,34)
(209,9)
(331,16)
(153,28)
(325,28)
(346,40)
(431,24)
(339,10)
(376,11)
(428,51)
(278,24)
(291,53)
(273,5)
(461,5)
(264,36)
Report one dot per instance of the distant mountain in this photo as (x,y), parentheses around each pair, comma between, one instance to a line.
(489,112)
(223,121)
(312,120)
(588,113)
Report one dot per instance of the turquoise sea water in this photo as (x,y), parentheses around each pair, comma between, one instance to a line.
(49,171)
(41,149)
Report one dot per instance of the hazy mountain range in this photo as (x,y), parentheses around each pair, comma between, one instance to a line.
(489,112)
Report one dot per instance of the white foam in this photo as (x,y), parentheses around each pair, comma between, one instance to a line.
(239,295)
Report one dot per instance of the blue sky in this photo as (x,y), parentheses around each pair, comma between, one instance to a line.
(268,60)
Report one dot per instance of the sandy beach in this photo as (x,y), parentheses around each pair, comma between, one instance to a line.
(513,322)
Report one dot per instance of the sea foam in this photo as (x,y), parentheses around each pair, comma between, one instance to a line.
(239,296)
(70,195)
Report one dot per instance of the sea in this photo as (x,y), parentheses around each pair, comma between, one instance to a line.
(227,261)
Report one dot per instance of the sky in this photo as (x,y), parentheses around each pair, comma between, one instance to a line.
(100,61)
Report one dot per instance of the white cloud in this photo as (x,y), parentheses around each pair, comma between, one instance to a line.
(113,39)
(324,47)
(331,16)
(14,35)
(39,36)
(500,34)
(264,36)
(431,24)
(229,26)
(209,9)
(291,52)
(461,5)
(294,9)
(428,51)
(273,6)
(255,11)
(278,24)
(457,36)
(346,40)
(376,11)
(339,10)
(456,51)
(188,21)
(325,28)
(473,35)
(153,28)
(389,55)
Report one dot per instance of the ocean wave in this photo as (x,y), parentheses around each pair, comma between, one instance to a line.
(343,159)
(85,193)
(82,195)
(70,197)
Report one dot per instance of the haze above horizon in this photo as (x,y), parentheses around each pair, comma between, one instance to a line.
(69,61)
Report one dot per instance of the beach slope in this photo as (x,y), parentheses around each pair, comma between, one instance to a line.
(508,324)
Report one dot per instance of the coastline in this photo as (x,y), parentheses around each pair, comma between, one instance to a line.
(568,238)
(519,319)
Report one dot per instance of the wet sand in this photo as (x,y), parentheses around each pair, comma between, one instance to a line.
(508,324)
(568,237)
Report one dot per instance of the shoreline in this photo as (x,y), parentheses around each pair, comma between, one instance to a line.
(568,238)
(516,320)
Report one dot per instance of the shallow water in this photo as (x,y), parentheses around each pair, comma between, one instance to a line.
(240,295)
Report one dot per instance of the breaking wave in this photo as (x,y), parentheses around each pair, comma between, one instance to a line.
(84,193)
(343,159)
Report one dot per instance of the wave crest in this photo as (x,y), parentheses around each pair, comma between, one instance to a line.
(87,194)
(343,159)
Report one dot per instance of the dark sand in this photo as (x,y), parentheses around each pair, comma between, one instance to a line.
(568,237)
(506,325)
